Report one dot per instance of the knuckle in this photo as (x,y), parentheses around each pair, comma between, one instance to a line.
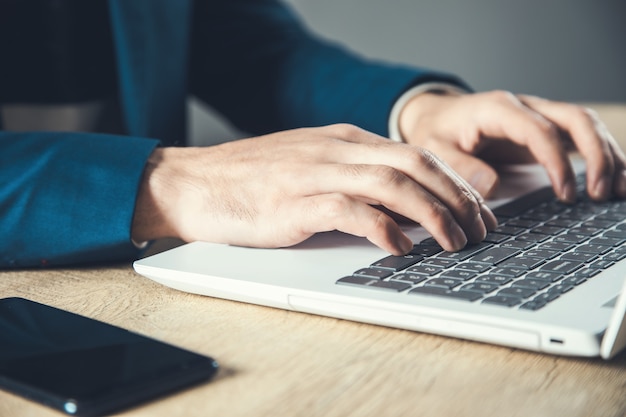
(582,113)
(466,202)
(585,117)
(547,128)
(589,113)
(388,176)
(502,95)
(334,205)
(429,158)
(380,222)
(437,213)
(424,158)
(344,130)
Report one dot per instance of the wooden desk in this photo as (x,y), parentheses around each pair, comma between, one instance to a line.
(281,363)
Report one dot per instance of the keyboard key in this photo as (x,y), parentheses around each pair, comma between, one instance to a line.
(494,279)
(481,287)
(412,278)
(358,281)
(397,263)
(517,244)
(547,297)
(465,253)
(537,215)
(517,292)
(533,284)
(494,237)
(610,216)
(560,289)
(547,230)
(495,255)
(445,282)
(428,270)
(509,271)
(542,253)
(510,230)
(587,273)
(390,286)
(584,230)
(503,300)
(533,305)
(545,276)
(579,256)
(601,264)
(557,246)
(600,224)
(564,266)
(521,223)
(571,238)
(607,241)
(476,267)
(364,282)
(614,256)
(443,292)
(532,237)
(525,262)
(577,215)
(619,234)
(519,206)
(429,241)
(439,262)
(618,206)
(562,223)
(374,273)
(458,274)
(426,250)
(574,280)
(591,248)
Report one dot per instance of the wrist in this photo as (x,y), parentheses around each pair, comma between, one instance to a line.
(411,105)
(149,220)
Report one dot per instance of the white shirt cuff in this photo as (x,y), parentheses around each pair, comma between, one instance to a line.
(140,245)
(394,116)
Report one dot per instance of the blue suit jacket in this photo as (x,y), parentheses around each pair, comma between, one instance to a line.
(68,198)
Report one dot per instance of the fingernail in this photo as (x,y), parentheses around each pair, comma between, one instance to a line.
(568,192)
(490,219)
(602,189)
(457,238)
(620,186)
(479,230)
(405,244)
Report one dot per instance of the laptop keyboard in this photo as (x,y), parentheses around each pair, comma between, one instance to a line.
(541,249)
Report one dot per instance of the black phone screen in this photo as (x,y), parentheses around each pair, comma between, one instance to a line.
(86,367)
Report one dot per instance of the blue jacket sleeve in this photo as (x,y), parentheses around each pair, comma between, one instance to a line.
(254,62)
(68,198)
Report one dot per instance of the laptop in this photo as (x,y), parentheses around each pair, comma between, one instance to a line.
(551,278)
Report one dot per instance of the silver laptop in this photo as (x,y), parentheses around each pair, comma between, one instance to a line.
(548,279)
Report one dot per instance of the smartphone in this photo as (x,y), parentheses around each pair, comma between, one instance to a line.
(85,367)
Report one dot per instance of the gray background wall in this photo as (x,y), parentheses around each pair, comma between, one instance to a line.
(572,50)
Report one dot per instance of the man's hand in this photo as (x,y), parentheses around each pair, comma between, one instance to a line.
(499,127)
(278,190)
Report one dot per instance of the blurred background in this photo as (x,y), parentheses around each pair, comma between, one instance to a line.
(571,50)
